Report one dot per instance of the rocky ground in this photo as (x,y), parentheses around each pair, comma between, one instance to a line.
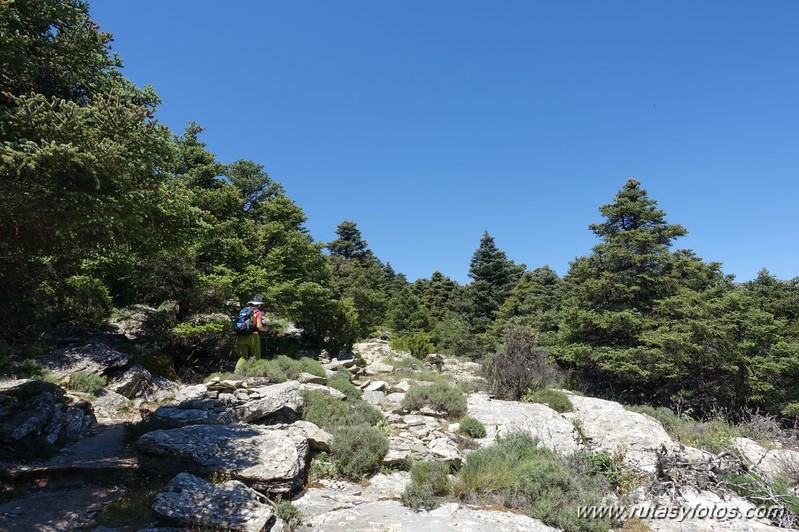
(225,450)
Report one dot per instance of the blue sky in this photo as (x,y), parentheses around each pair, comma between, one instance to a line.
(428,122)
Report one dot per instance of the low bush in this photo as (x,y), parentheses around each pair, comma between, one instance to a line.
(557,401)
(439,396)
(86,382)
(86,302)
(262,368)
(286,511)
(293,367)
(341,382)
(714,435)
(428,482)
(358,449)
(418,344)
(516,473)
(330,413)
(406,362)
(472,427)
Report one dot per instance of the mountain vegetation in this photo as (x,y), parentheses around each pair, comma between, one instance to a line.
(102,207)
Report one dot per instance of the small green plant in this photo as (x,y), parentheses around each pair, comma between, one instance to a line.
(358,449)
(262,368)
(439,396)
(219,477)
(293,367)
(286,511)
(612,465)
(557,401)
(330,413)
(472,427)
(419,497)
(407,362)
(341,382)
(322,466)
(418,344)
(86,382)
(517,473)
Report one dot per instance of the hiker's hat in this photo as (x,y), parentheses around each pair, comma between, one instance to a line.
(256,300)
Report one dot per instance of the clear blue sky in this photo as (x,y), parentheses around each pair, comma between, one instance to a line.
(428,122)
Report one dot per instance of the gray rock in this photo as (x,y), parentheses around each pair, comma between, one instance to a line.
(304,378)
(773,463)
(376,368)
(266,459)
(136,382)
(606,425)
(373,398)
(33,409)
(240,404)
(193,502)
(375,386)
(95,358)
(503,417)
(400,387)
(109,406)
(318,439)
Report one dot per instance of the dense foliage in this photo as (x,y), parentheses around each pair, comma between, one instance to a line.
(102,207)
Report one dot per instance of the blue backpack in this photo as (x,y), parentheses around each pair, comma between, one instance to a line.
(245,323)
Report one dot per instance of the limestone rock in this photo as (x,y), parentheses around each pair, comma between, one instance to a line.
(503,417)
(266,459)
(33,409)
(773,463)
(110,407)
(309,378)
(375,386)
(376,368)
(374,398)
(219,403)
(400,387)
(193,502)
(95,358)
(340,505)
(608,426)
(137,382)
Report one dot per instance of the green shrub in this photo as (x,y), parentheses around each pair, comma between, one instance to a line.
(515,472)
(714,435)
(439,396)
(286,511)
(358,450)
(419,497)
(472,427)
(86,302)
(262,368)
(293,367)
(343,384)
(418,344)
(433,474)
(330,413)
(557,401)
(86,382)
(407,362)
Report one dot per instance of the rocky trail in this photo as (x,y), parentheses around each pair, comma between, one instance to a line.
(219,454)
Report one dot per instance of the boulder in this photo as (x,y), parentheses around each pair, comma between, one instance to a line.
(606,425)
(192,502)
(502,417)
(400,387)
(269,460)
(32,409)
(220,403)
(773,463)
(376,368)
(110,407)
(341,505)
(136,382)
(375,386)
(95,358)
(372,397)
(310,378)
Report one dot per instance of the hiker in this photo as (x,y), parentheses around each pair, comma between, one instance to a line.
(247,326)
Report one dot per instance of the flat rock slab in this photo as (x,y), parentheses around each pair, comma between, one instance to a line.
(608,426)
(240,404)
(95,358)
(773,463)
(503,417)
(193,502)
(264,458)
